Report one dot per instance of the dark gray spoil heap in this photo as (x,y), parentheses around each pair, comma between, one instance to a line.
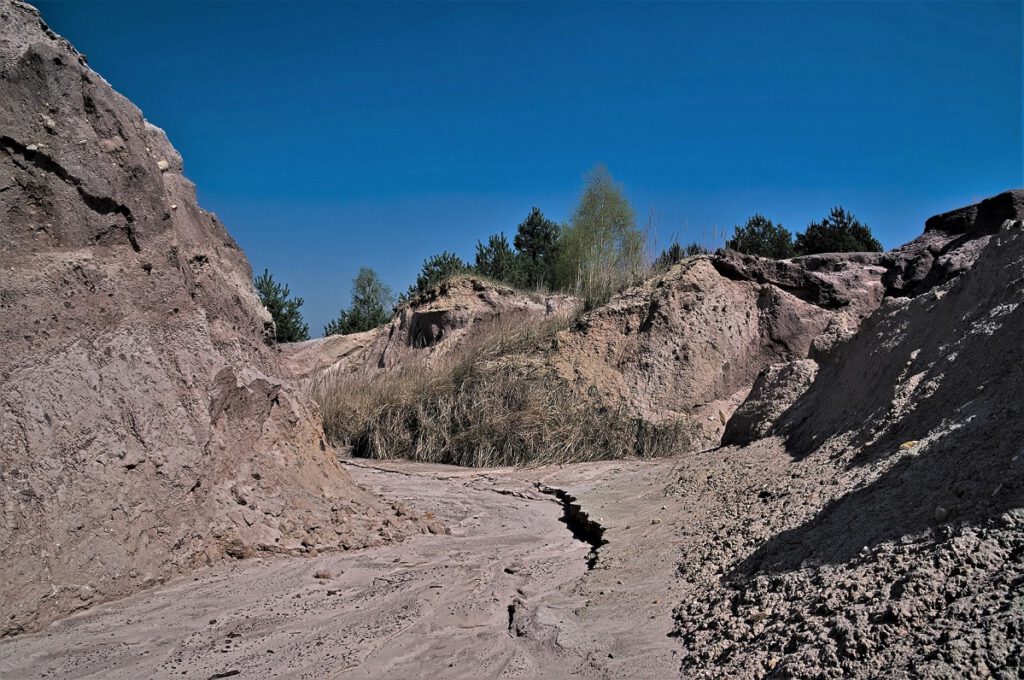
(891,544)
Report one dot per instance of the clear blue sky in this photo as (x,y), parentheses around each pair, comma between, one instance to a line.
(330,135)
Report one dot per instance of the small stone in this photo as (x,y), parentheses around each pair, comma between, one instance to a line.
(656,520)
(33,147)
(941,514)
(757,615)
(163,165)
(48,123)
(174,206)
(85,593)
(323,575)
(908,445)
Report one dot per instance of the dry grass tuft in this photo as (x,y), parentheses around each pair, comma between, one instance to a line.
(487,403)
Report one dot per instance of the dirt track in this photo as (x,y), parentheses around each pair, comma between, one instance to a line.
(507,594)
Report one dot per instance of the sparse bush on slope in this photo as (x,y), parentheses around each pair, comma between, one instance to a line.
(486,405)
(675,254)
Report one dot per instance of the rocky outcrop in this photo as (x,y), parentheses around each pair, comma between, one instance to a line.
(833,281)
(142,432)
(690,343)
(881,532)
(430,326)
(950,244)
(433,323)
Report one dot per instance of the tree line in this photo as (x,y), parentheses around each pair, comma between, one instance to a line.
(599,251)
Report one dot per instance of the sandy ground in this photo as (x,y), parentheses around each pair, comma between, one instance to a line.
(508,593)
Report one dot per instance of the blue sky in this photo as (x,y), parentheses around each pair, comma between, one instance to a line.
(329,135)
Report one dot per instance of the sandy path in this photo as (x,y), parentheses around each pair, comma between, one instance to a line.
(506,594)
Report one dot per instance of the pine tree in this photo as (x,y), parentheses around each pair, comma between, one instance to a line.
(436,269)
(840,232)
(761,236)
(497,260)
(536,241)
(288,323)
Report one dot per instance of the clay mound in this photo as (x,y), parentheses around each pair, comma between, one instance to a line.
(690,343)
(890,542)
(432,325)
(682,348)
(141,432)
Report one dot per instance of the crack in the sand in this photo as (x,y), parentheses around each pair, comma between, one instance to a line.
(583,528)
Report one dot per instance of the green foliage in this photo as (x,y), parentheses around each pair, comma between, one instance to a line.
(372,302)
(761,236)
(276,297)
(537,240)
(436,269)
(602,250)
(840,232)
(676,253)
(497,260)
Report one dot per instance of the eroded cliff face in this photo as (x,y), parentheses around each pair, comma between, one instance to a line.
(689,344)
(880,520)
(142,431)
(696,341)
(433,325)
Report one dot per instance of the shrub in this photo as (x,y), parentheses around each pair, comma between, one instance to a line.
(601,250)
(485,404)
(676,253)
(761,236)
(840,232)
(288,323)
(372,303)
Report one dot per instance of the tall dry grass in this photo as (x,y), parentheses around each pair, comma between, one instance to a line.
(488,402)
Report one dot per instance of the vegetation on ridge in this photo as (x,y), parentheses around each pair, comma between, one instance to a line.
(599,252)
(840,232)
